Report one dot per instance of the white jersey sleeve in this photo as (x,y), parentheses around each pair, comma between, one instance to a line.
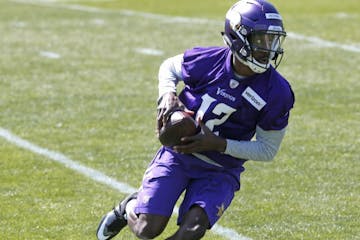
(170,74)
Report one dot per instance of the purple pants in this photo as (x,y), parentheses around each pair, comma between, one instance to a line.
(169,174)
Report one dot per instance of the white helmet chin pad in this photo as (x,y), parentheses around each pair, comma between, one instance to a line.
(254,65)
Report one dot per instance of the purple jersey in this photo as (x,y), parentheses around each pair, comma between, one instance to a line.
(230,107)
(233,107)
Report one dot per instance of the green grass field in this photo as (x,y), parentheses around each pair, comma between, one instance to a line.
(75,82)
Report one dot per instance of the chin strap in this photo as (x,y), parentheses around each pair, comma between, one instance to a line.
(255,67)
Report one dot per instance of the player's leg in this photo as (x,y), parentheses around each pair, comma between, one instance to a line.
(148,226)
(193,226)
(148,212)
(161,188)
(145,226)
(115,220)
(205,201)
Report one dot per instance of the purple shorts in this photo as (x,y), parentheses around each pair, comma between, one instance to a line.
(169,174)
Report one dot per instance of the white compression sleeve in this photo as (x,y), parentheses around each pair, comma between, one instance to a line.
(264,148)
(170,74)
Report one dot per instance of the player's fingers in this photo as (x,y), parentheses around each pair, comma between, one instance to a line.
(167,113)
(188,148)
(172,102)
(191,113)
(165,118)
(159,124)
(159,121)
(192,144)
(180,105)
(194,138)
(160,113)
(203,127)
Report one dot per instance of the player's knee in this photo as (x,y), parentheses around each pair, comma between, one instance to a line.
(149,228)
(194,232)
(146,233)
(191,232)
(195,224)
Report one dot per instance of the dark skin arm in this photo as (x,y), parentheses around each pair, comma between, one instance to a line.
(206,140)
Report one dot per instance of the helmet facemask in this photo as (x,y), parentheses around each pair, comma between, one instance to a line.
(265,47)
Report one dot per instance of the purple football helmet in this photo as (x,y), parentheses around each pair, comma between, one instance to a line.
(254,32)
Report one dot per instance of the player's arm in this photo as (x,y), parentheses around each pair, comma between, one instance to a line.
(169,76)
(263,148)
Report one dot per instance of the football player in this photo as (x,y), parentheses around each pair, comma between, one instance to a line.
(242,105)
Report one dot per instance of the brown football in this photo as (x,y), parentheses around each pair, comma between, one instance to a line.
(180,124)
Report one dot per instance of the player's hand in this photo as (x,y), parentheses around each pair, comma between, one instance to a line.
(168,103)
(206,140)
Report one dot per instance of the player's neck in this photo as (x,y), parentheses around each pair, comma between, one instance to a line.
(241,69)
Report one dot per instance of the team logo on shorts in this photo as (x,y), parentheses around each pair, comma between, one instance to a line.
(221,210)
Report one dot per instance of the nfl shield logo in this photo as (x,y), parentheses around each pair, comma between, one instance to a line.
(233,83)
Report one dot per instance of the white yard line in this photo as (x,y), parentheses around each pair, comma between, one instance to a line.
(323,43)
(171,19)
(149,51)
(47,54)
(97,175)
(67,162)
